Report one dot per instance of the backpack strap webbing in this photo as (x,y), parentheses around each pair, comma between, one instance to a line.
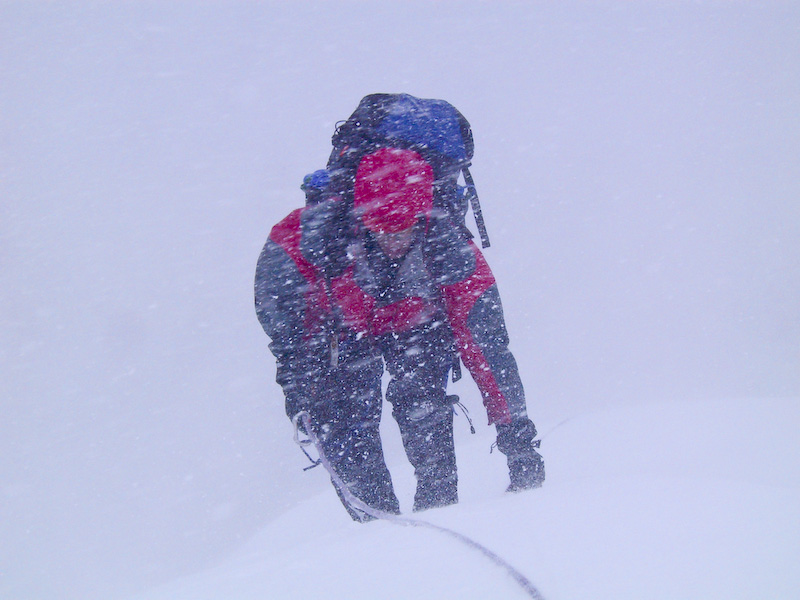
(476,207)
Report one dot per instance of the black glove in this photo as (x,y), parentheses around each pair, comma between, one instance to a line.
(300,374)
(525,465)
(295,404)
(516,437)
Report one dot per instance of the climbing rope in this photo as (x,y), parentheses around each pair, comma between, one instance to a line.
(358,505)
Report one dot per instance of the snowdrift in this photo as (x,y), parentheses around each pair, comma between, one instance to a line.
(671,500)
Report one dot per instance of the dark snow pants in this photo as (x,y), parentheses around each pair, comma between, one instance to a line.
(418,361)
(346,417)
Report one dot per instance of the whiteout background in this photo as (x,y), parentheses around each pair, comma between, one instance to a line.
(639,169)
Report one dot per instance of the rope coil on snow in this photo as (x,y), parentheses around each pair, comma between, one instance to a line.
(359,505)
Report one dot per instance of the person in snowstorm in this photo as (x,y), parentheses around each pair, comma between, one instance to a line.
(342,396)
(420,292)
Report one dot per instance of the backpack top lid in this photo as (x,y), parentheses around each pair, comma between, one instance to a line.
(393,189)
(429,124)
(434,128)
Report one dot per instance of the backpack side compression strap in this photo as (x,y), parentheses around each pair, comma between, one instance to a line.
(476,207)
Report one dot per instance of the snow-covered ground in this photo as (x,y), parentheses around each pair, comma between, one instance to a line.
(638,170)
(678,500)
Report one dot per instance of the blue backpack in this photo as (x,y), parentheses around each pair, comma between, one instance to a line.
(433,128)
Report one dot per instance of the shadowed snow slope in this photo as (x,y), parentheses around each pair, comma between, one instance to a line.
(667,501)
